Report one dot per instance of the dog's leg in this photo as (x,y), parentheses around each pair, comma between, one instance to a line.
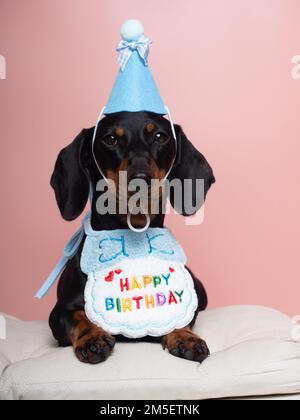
(68,321)
(185,344)
(91,344)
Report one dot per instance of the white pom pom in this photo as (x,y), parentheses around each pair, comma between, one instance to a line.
(132,29)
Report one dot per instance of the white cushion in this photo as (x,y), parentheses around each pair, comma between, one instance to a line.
(252,354)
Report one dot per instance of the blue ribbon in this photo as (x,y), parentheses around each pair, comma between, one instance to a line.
(69,251)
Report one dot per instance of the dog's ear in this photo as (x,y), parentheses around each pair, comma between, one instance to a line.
(70,178)
(190,164)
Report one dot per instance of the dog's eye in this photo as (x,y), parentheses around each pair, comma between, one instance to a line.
(110,140)
(160,138)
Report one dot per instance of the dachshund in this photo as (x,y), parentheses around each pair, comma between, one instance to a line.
(142,144)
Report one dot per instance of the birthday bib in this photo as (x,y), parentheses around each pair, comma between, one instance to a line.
(137,282)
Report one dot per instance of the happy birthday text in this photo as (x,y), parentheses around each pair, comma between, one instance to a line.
(143,300)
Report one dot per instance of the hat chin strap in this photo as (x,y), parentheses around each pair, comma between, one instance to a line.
(129,215)
(93,144)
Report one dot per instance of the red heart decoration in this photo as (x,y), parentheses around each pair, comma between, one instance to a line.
(172,270)
(110,277)
(118,271)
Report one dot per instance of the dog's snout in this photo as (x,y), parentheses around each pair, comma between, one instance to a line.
(141,176)
(139,168)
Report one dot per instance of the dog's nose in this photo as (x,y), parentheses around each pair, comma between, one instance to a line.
(140,175)
(139,168)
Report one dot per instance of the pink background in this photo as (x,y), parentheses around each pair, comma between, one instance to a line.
(224,68)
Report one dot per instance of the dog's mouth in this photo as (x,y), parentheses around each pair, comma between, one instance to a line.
(138,197)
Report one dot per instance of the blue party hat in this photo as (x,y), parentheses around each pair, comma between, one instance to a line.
(134,89)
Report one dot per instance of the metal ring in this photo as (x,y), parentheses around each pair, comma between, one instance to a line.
(138,230)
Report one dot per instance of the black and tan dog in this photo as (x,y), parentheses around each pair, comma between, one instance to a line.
(140,143)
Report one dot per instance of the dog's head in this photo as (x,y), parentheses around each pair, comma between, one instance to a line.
(140,144)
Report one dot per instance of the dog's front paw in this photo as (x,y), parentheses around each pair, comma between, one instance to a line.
(91,343)
(94,346)
(187,345)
